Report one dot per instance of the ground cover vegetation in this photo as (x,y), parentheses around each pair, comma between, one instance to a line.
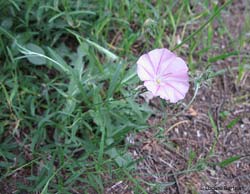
(75,117)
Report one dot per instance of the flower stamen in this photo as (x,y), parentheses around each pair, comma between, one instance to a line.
(158,81)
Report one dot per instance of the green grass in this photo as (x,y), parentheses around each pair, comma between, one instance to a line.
(68,93)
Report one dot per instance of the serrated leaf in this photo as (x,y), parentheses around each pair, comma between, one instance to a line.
(35,59)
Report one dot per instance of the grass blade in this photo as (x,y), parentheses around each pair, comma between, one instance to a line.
(203,25)
(229,161)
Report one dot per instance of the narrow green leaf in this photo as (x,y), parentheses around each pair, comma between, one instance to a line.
(108,53)
(233,123)
(101,49)
(214,126)
(60,63)
(223,56)
(203,25)
(102,144)
(115,80)
(6,33)
(228,161)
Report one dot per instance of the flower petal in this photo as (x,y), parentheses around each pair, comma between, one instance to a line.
(182,77)
(145,68)
(171,95)
(179,87)
(159,56)
(162,92)
(176,67)
(152,86)
(164,74)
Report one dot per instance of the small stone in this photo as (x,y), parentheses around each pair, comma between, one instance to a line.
(198,133)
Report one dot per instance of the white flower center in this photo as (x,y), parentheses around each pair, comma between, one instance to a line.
(158,80)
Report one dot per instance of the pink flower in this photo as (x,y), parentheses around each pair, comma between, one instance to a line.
(164,74)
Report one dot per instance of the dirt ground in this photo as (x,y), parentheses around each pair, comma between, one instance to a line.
(179,156)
